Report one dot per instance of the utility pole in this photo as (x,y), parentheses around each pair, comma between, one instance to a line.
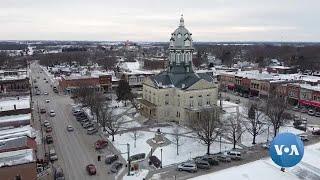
(161,157)
(129,162)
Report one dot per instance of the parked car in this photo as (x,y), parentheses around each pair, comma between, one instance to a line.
(87,125)
(223,158)
(53,155)
(49,139)
(46,123)
(234,155)
(304,137)
(48,129)
(202,164)
(295,108)
(116,167)
(42,110)
(91,169)
(92,130)
(237,101)
(52,113)
(70,128)
(311,112)
(47,100)
(153,160)
(246,95)
(111,159)
(213,161)
(58,173)
(83,121)
(316,132)
(317,114)
(137,157)
(227,99)
(303,110)
(77,112)
(187,166)
(301,127)
(100,144)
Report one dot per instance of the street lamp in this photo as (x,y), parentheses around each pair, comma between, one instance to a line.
(161,157)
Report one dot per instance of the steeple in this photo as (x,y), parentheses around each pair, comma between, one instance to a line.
(181,21)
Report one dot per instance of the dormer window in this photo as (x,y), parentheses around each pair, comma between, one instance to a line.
(187,43)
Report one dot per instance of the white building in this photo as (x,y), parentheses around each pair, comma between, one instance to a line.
(174,94)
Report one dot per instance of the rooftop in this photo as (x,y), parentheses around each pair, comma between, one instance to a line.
(8,104)
(20,117)
(16,157)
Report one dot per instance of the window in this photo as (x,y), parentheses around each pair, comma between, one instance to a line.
(200,102)
(166,102)
(167,94)
(208,101)
(191,103)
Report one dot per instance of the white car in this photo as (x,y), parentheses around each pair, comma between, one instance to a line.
(304,137)
(69,128)
(46,93)
(47,100)
(52,113)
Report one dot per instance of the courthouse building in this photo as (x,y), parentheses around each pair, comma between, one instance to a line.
(174,94)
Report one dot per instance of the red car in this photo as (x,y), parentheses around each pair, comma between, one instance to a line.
(48,129)
(100,144)
(91,169)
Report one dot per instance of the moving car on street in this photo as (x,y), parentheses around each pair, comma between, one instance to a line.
(70,128)
(100,144)
(91,169)
(116,167)
(52,113)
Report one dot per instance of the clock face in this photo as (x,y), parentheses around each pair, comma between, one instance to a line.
(179,35)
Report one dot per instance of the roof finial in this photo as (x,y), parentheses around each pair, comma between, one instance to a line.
(181,20)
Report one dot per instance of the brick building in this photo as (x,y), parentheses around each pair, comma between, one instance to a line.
(15,81)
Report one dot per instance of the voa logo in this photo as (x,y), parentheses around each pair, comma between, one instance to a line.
(286,150)
(292,151)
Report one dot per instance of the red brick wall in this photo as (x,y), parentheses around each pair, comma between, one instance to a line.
(26,172)
(92,81)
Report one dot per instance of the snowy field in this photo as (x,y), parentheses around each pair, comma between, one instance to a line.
(308,169)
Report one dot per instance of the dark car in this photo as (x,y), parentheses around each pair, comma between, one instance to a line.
(111,159)
(49,139)
(91,169)
(316,132)
(213,161)
(87,125)
(116,167)
(58,174)
(201,164)
(48,129)
(153,160)
(42,111)
(223,158)
(100,144)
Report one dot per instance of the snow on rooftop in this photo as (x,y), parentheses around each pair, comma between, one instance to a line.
(130,66)
(17,132)
(7,104)
(16,157)
(20,117)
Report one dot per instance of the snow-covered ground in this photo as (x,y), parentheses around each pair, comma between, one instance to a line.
(265,169)
(141,144)
(138,175)
(190,148)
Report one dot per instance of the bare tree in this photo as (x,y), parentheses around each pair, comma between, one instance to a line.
(109,123)
(135,135)
(234,129)
(275,110)
(176,139)
(207,124)
(255,116)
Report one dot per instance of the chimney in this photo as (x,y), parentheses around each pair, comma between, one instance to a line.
(14,107)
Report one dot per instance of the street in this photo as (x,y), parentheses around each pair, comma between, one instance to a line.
(75,149)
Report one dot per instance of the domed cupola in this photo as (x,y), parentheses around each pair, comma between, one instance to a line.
(181,37)
(181,49)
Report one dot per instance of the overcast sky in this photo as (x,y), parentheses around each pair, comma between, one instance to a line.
(154,20)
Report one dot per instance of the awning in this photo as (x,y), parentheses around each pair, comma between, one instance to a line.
(310,103)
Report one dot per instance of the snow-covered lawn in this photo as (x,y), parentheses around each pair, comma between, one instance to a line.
(138,175)
(141,144)
(190,148)
(308,169)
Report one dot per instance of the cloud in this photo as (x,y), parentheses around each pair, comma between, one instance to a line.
(146,20)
